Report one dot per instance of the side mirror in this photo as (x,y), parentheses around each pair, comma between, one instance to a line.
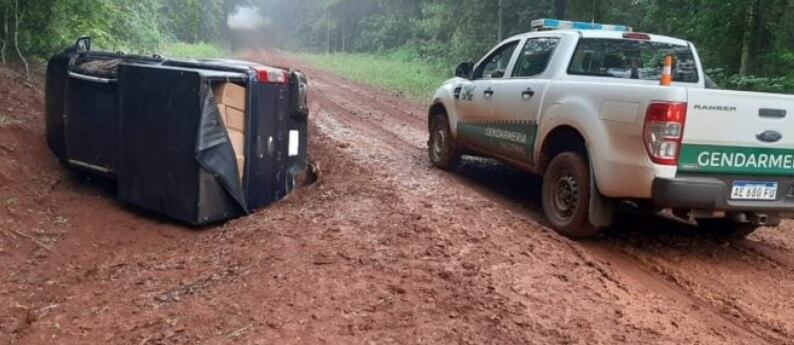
(464,70)
(83,44)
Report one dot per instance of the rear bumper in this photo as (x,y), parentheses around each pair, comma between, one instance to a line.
(713,193)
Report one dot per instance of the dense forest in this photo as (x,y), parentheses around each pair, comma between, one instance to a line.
(745,44)
(38,28)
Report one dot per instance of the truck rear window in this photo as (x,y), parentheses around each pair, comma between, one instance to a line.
(632,59)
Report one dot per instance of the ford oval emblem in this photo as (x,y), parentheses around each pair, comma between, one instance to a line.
(769,136)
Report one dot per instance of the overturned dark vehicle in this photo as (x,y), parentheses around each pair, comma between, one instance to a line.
(200,141)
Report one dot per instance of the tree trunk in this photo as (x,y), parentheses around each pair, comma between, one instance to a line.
(19,17)
(4,39)
(747,38)
(560,9)
(499,21)
(327,32)
(344,35)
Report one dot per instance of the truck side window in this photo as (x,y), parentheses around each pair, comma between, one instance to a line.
(495,66)
(535,56)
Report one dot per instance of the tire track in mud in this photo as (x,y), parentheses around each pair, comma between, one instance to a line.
(733,280)
(391,120)
(661,281)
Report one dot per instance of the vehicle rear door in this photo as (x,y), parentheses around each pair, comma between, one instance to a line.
(518,100)
(476,96)
(734,132)
(747,138)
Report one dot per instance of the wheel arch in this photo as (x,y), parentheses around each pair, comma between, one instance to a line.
(435,109)
(565,138)
(561,139)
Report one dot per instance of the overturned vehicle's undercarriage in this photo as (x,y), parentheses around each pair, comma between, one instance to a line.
(200,141)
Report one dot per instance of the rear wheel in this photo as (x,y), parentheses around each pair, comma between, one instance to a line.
(728,228)
(443,152)
(566,195)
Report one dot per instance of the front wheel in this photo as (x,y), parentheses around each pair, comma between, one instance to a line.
(566,196)
(443,152)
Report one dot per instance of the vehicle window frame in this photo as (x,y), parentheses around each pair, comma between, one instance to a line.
(500,48)
(570,72)
(548,62)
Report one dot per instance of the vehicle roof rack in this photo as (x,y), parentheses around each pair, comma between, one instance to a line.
(556,24)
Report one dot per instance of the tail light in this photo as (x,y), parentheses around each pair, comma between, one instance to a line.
(664,131)
(268,75)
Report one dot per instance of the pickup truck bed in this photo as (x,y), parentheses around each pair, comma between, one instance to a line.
(154,125)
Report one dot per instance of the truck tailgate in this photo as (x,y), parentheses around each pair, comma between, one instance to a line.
(738,133)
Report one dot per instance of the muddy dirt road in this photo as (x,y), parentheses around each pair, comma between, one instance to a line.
(383,250)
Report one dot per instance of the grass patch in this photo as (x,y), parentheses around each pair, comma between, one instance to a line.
(416,79)
(193,50)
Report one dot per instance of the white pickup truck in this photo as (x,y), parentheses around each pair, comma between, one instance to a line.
(581,104)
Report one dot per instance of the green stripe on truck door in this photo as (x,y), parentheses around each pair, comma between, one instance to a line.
(514,140)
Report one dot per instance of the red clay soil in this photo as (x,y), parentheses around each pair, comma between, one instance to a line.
(384,249)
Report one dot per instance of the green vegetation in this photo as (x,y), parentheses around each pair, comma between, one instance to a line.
(193,50)
(398,71)
(745,44)
(40,28)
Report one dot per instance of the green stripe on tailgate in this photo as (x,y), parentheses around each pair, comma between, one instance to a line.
(736,160)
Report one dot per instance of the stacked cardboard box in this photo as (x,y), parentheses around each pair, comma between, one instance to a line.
(231,103)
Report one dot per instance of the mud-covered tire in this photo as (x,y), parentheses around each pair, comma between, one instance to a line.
(566,196)
(728,228)
(443,152)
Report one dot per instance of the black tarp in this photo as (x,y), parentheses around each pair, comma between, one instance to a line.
(214,151)
(175,156)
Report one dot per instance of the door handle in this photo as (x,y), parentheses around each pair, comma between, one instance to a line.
(527,94)
(488,93)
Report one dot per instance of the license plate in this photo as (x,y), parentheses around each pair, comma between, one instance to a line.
(744,190)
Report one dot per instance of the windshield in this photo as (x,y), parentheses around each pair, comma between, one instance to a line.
(632,59)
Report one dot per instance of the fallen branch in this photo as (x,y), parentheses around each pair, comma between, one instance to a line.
(32,239)
(238,332)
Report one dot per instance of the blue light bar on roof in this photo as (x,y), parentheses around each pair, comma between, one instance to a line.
(555,24)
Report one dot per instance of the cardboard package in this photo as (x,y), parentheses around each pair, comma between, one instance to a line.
(222,110)
(235,119)
(238,142)
(231,104)
(230,95)
(241,165)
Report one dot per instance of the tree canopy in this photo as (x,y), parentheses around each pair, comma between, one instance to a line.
(744,43)
(47,26)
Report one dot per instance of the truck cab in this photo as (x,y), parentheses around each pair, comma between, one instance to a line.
(581,104)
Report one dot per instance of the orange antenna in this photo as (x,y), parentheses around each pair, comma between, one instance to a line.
(667,71)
